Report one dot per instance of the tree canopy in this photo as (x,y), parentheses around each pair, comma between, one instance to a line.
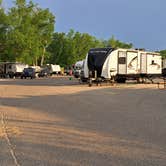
(29,32)
(66,49)
(163,53)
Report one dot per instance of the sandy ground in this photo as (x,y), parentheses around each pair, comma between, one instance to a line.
(57,122)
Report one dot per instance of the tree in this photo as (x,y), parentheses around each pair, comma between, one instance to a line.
(31,29)
(44,22)
(68,48)
(163,53)
(4,26)
(58,49)
(112,42)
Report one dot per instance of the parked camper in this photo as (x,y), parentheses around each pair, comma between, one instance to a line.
(11,69)
(54,69)
(77,68)
(121,64)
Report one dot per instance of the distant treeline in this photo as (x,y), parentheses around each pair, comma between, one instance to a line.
(27,35)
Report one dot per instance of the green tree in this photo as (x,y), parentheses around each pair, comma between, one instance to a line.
(58,49)
(44,22)
(163,53)
(4,26)
(31,29)
(112,42)
(68,48)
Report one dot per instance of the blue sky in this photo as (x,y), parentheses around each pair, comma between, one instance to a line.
(141,22)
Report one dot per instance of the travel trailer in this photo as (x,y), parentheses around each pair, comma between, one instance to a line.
(54,69)
(11,69)
(77,68)
(121,64)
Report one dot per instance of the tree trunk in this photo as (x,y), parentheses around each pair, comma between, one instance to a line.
(43,55)
(36,61)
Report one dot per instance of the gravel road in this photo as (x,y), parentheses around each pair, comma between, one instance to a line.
(57,122)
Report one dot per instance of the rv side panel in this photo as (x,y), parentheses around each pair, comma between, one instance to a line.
(85,67)
(110,67)
(154,64)
(143,63)
(132,62)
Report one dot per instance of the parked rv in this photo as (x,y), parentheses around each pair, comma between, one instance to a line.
(77,68)
(54,69)
(121,64)
(11,69)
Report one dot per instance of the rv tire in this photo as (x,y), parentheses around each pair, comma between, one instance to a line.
(121,80)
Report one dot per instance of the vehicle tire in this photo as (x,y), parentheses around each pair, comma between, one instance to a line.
(90,82)
(84,80)
(121,80)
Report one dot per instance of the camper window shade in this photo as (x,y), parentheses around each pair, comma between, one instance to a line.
(122,60)
(96,59)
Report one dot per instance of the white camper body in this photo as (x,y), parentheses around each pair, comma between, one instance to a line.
(77,68)
(79,64)
(55,69)
(15,68)
(129,63)
(12,69)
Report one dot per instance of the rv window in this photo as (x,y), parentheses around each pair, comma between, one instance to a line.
(122,60)
(153,62)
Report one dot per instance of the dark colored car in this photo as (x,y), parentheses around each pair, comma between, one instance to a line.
(44,73)
(28,72)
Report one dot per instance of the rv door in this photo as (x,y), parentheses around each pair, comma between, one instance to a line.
(122,67)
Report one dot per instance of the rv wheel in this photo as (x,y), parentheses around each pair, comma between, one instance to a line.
(90,82)
(121,80)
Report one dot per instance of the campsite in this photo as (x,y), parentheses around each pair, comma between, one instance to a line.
(82,83)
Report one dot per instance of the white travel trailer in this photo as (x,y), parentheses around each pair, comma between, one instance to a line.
(121,64)
(55,69)
(77,68)
(79,64)
(12,69)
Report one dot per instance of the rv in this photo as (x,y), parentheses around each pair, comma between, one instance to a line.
(121,64)
(11,69)
(77,68)
(54,69)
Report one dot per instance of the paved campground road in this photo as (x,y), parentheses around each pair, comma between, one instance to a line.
(57,122)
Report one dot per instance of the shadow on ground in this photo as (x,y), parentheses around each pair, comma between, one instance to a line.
(98,127)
